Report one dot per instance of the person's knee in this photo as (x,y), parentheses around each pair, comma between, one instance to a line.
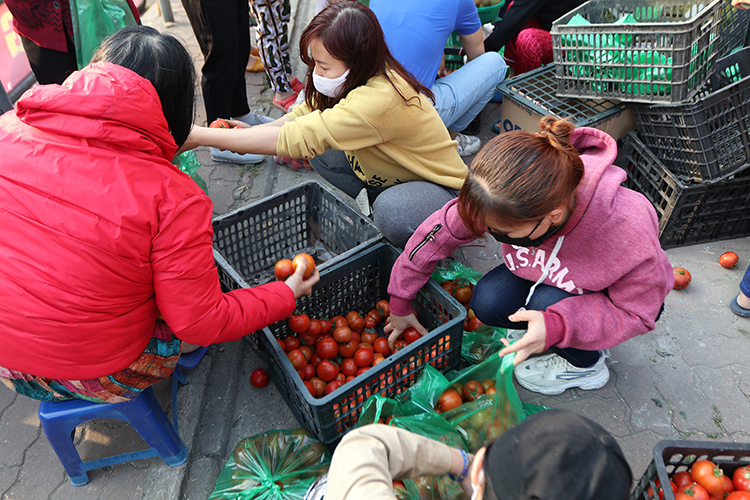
(497,64)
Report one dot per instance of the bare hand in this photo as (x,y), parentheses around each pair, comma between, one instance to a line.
(533,341)
(442,71)
(298,284)
(398,324)
(740,4)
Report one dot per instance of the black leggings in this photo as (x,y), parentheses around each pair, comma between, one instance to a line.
(50,66)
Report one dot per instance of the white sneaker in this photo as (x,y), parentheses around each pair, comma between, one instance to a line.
(227,156)
(552,375)
(467,145)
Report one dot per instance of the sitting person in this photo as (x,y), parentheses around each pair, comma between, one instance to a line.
(103,236)
(582,267)
(365,123)
(552,455)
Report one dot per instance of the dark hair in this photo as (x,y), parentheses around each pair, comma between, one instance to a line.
(165,62)
(520,177)
(351,33)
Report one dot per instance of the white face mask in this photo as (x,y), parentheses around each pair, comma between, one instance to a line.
(331,87)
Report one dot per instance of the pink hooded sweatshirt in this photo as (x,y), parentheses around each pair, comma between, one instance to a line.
(609,258)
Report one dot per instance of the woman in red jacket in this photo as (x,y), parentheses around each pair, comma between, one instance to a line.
(102,235)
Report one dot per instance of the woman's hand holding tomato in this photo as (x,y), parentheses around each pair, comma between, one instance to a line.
(299,285)
(533,341)
(398,324)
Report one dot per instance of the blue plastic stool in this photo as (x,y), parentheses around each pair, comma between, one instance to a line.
(144,413)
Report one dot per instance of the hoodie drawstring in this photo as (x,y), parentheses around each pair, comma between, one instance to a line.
(545,272)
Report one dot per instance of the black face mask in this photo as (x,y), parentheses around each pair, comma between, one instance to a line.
(525,241)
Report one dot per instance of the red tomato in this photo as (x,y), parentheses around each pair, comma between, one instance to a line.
(449,400)
(327,371)
(304,257)
(708,475)
(342,334)
(474,324)
(463,294)
(341,377)
(349,378)
(659,489)
(491,391)
(259,378)
(728,260)
(357,323)
(296,358)
(282,344)
(682,478)
(320,386)
(693,490)
(315,327)
(411,335)
(367,345)
(741,478)
(291,343)
(338,321)
(299,323)
(399,344)
(219,123)
(448,286)
(726,488)
(377,358)
(369,337)
(315,360)
(325,327)
(348,349)
(308,339)
(472,390)
(310,387)
(327,348)
(375,315)
(283,269)
(384,308)
(351,314)
(307,372)
(381,346)
(362,370)
(306,351)
(370,322)
(738,495)
(332,386)
(356,336)
(681,278)
(349,367)
(363,357)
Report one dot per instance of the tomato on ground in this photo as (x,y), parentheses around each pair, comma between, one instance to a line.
(259,378)
(728,260)
(681,278)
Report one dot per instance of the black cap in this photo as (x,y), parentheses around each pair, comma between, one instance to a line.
(557,455)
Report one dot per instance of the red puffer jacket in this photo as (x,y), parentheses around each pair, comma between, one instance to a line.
(100,233)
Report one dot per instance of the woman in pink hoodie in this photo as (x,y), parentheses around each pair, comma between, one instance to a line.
(582,267)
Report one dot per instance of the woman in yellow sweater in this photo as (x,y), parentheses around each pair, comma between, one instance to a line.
(365,122)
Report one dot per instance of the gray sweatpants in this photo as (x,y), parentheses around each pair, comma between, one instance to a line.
(396,210)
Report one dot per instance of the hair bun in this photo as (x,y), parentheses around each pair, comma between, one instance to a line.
(557,132)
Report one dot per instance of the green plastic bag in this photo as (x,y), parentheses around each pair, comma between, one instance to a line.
(95,20)
(274,465)
(482,343)
(456,271)
(188,163)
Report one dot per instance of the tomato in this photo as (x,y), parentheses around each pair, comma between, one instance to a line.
(367,345)
(363,357)
(259,378)
(693,490)
(341,377)
(282,344)
(375,315)
(351,314)
(726,488)
(320,386)
(384,308)
(398,484)
(342,334)
(338,321)
(659,489)
(325,327)
(411,335)
(332,386)
(349,378)
(347,349)
(306,351)
(448,286)
(490,391)
(682,478)
(315,360)
(681,278)
(738,495)
(487,383)
(357,323)
(741,478)
(362,370)
(219,123)
(283,269)
(370,322)
(304,257)
(299,323)
(349,367)
(728,260)
(474,324)
(356,336)
(369,337)
(381,346)
(291,343)
(399,344)
(327,371)
(472,390)
(310,387)
(327,348)
(377,358)
(315,327)
(307,372)
(463,294)
(708,475)
(449,400)
(296,358)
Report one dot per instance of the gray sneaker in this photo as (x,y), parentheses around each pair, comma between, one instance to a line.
(227,156)
(467,145)
(552,375)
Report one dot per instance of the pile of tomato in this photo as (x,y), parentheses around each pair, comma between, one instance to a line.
(706,481)
(462,292)
(328,353)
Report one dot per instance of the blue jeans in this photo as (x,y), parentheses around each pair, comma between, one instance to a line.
(745,283)
(461,96)
(500,293)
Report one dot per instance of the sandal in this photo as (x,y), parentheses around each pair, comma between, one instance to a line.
(286,103)
(297,85)
(738,309)
(300,165)
(495,127)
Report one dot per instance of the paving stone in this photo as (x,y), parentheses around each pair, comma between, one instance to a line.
(19,428)
(612,415)
(41,474)
(639,450)
(647,410)
(730,405)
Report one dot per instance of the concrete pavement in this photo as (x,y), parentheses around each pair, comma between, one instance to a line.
(686,380)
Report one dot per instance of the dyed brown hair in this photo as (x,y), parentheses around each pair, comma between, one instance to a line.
(351,33)
(520,177)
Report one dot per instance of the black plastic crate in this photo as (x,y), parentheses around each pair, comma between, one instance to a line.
(707,139)
(306,218)
(676,456)
(358,283)
(689,213)
(665,57)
